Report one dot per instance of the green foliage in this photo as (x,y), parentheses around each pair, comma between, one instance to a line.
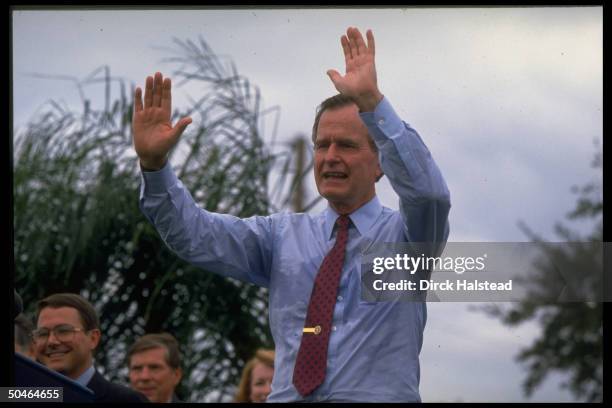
(78,227)
(571,340)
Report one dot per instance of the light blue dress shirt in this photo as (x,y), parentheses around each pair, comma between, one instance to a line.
(86,377)
(374,347)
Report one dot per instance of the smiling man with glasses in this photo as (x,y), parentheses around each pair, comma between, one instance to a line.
(66,335)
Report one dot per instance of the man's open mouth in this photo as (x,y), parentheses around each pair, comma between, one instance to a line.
(334,175)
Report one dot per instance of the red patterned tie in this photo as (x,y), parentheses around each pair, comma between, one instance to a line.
(311,361)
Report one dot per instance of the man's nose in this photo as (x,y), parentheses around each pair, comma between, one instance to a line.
(332,153)
(145,374)
(52,339)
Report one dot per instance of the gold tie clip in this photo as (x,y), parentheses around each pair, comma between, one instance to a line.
(315,330)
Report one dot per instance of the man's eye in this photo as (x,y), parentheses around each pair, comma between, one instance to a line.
(347,145)
(63,330)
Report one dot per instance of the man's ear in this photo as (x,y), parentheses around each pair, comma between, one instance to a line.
(379,172)
(94,338)
(179,375)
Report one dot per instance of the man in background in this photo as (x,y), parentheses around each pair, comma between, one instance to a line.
(154,363)
(23,336)
(67,333)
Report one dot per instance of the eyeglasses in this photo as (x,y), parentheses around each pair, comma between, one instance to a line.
(63,333)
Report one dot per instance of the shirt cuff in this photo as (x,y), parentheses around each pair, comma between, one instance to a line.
(384,122)
(160,181)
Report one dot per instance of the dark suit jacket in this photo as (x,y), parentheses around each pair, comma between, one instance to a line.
(30,373)
(105,391)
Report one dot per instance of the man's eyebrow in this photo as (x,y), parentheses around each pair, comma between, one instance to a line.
(346,141)
(68,325)
(340,139)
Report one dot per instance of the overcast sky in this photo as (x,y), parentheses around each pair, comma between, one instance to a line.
(508,100)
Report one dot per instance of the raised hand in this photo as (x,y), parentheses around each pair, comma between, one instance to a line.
(359,81)
(154,135)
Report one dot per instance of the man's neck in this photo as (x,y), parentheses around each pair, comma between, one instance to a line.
(343,208)
(84,376)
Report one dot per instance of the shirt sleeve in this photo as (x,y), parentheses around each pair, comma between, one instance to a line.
(220,243)
(424,199)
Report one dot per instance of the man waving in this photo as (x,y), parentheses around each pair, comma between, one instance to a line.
(330,344)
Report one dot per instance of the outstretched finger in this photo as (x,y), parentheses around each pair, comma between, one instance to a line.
(346,48)
(352,40)
(157,90)
(138,100)
(166,98)
(371,46)
(334,76)
(180,127)
(359,43)
(148,98)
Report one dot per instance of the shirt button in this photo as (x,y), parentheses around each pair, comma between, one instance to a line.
(381,122)
(339,298)
(334,328)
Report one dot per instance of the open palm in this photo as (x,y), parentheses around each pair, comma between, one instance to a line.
(359,81)
(154,135)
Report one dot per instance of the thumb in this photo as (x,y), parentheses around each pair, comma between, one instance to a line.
(180,127)
(334,76)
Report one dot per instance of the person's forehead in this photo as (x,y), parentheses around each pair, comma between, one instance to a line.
(50,316)
(344,115)
(262,370)
(342,122)
(155,355)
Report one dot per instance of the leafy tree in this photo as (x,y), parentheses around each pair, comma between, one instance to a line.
(571,340)
(78,227)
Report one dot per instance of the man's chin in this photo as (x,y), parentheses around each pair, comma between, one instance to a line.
(58,366)
(149,395)
(334,194)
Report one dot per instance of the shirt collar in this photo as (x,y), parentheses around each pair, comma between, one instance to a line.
(363,218)
(84,378)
